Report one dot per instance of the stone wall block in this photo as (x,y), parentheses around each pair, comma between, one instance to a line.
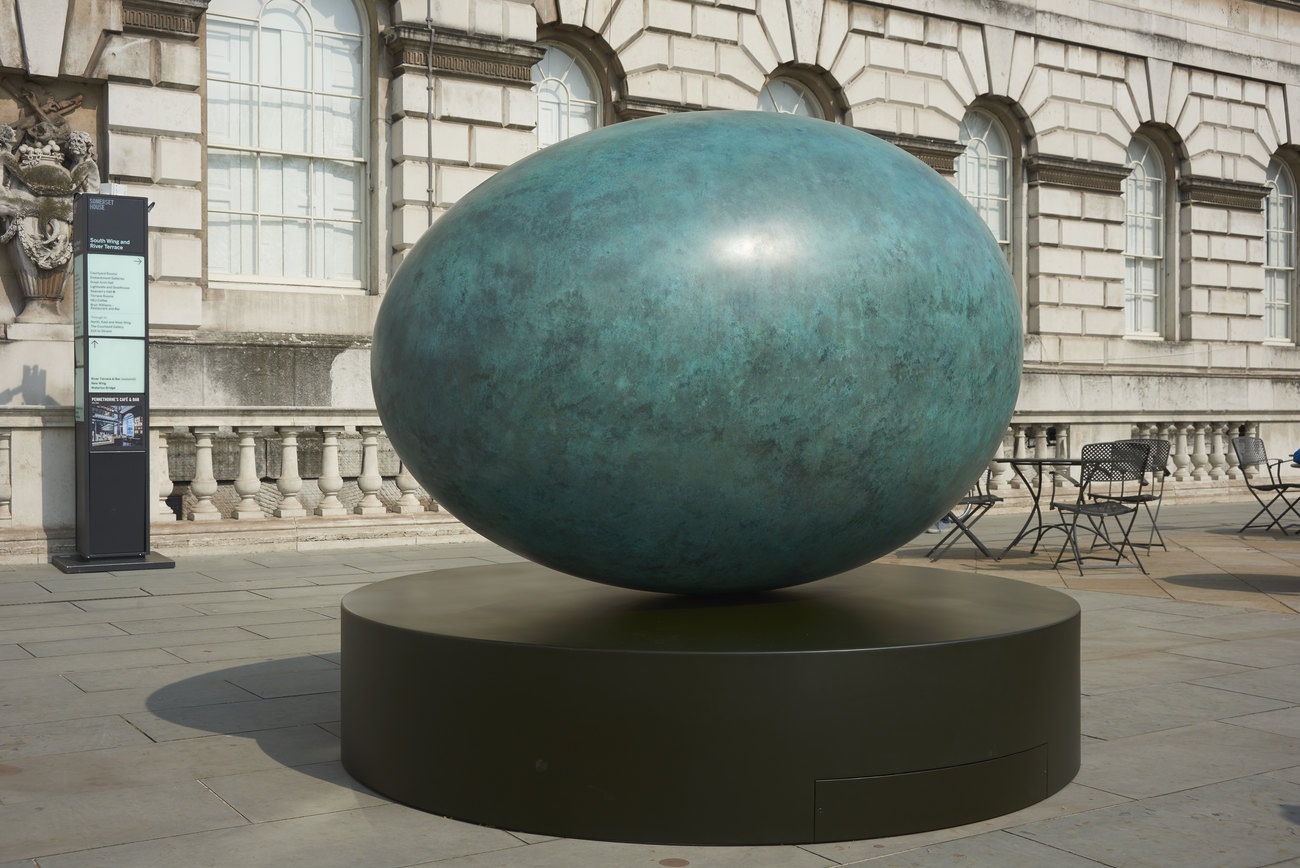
(409,95)
(1055,320)
(720,93)
(1103,206)
(1230,302)
(180,161)
(736,64)
(834,32)
(1103,321)
(1082,293)
(941,31)
(905,26)
(906,90)
(180,257)
(410,140)
(755,40)
(179,64)
(455,181)
(410,183)
(673,16)
(521,21)
(174,207)
(488,18)
(409,223)
(471,101)
(1056,201)
(656,84)
(1204,218)
(886,54)
(867,19)
(924,60)
(1196,327)
(775,15)
(130,157)
(1055,260)
(1243,276)
(625,23)
(153,109)
(1099,265)
(175,305)
(696,55)
(1208,273)
(127,59)
(499,147)
(646,52)
(714,23)
(1247,223)
(520,107)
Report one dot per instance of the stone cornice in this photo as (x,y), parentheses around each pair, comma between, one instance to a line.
(1075,174)
(1200,190)
(175,18)
(461,55)
(631,108)
(938,154)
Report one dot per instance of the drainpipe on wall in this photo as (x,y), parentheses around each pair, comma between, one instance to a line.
(428,60)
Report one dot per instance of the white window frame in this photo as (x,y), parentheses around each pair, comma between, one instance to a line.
(985,164)
(557,72)
(257,279)
(1280,254)
(1146,203)
(783,96)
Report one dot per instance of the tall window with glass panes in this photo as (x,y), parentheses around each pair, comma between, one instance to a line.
(1144,239)
(1280,254)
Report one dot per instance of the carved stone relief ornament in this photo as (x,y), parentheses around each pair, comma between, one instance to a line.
(43,164)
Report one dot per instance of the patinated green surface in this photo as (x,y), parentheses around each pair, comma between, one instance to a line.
(709,352)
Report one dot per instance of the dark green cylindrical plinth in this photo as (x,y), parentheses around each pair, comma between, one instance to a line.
(886,700)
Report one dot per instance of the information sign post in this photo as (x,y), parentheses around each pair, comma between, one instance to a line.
(111,354)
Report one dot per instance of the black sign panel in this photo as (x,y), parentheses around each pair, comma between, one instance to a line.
(111,327)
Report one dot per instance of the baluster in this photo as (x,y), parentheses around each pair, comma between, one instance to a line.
(1218,463)
(1200,460)
(162,476)
(1234,464)
(1254,471)
(330,481)
(6,478)
(247,483)
(289,482)
(204,483)
(1182,460)
(406,484)
(1021,452)
(1168,431)
(370,481)
(1062,479)
(1000,474)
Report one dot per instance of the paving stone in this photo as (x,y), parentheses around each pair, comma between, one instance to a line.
(1072,799)
(1277,682)
(55,634)
(1271,651)
(191,620)
(1236,824)
(383,836)
(236,717)
(1166,706)
(1124,641)
(34,666)
(254,647)
(1102,620)
(13,652)
(149,603)
(1157,667)
(566,853)
(1285,721)
(55,736)
(82,821)
(281,794)
(132,642)
(32,592)
(28,779)
(175,676)
(1247,625)
(990,850)
(100,703)
(289,683)
(1154,764)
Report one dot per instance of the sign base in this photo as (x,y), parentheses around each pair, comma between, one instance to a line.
(78,564)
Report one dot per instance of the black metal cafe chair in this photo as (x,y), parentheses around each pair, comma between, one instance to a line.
(1151,488)
(1284,495)
(1109,473)
(963,515)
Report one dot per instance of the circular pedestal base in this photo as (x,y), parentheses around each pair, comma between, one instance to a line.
(883,701)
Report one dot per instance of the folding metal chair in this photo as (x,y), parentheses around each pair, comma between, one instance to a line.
(1151,488)
(1250,453)
(1110,472)
(963,516)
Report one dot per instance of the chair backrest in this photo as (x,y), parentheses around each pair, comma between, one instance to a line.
(1250,451)
(1158,457)
(1117,465)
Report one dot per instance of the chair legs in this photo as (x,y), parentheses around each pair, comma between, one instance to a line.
(1267,509)
(1097,527)
(959,527)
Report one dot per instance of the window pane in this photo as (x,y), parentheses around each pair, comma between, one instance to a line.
(284,186)
(230,244)
(338,126)
(339,64)
(339,15)
(337,247)
(231,181)
(285,33)
(230,50)
(230,113)
(283,247)
(285,120)
(337,190)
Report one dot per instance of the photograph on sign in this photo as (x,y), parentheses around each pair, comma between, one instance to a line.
(117,424)
(116,365)
(115,295)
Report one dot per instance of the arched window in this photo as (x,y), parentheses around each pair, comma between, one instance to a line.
(567,102)
(286,151)
(1280,253)
(789,98)
(1144,193)
(984,173)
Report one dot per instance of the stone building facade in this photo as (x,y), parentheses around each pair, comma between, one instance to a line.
(1136,160)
